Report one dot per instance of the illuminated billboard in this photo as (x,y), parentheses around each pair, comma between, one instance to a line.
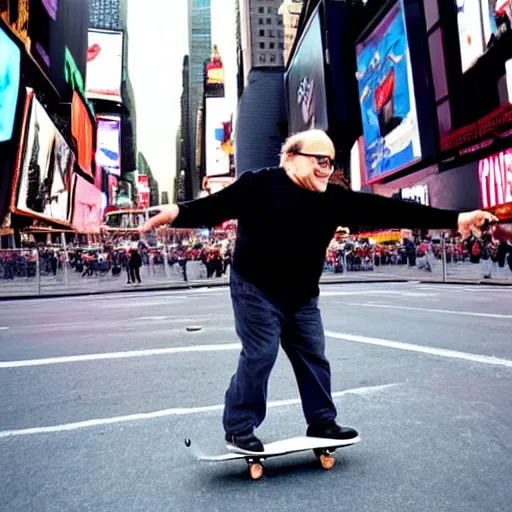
(219,146)
(214,75)
(104,65)
(9,84)
(45,169)
(386,95)
(108,145)
(481,24)
(15,14)
(307,103)
(82,131)
(495,175)
(87,206)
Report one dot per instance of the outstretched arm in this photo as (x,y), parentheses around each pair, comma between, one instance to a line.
(207,211)
(380,212)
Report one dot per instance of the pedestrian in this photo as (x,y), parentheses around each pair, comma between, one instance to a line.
(275,300)
(135,263)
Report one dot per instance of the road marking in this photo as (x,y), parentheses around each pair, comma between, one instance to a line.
(4,328)
(476,358)
(180,411)
(119,355)
(378,292)
(444,311)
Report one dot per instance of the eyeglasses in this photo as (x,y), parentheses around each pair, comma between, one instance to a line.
(325,162)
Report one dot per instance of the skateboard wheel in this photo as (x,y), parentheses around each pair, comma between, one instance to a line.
(255,470)
(327,461)
(188,442)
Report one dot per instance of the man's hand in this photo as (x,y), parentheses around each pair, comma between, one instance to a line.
(472,222)
(167,215)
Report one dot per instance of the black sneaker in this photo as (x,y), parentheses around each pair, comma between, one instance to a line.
(331,430)
(245,443)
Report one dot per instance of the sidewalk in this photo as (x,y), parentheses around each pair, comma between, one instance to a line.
(55,286)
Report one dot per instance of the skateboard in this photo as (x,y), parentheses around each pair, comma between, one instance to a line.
(322,448)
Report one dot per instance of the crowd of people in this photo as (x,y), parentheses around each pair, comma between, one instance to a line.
(345,253)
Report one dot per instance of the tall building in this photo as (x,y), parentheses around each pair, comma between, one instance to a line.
(262,34)
(200,49)
(183,177)
(290,11)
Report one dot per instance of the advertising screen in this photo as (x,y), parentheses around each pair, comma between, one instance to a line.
(214,75)
(9,84)
(481,24)
(15,14)
(386,96)
(143,191)
(219,146)
(108,146)
(41,28)
(45,169)
(495,175)
(87,206)
(307,103)
(104,65)
(82,131)
(72,74)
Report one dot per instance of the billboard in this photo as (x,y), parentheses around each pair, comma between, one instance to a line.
(143,191)
(82,131)
(214,75)
(108,143)
(45,169)
(87,206)
(495,175)
(72,75)
(10,56)
(481,24)
(386,96)
(15,14)
(42,27)
(305,80)
(104,65)
(219,146)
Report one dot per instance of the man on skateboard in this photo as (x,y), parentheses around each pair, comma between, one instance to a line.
(275,298)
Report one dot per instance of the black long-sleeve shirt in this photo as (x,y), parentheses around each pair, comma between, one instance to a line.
(284,229)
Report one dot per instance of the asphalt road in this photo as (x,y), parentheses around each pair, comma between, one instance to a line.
(97,394)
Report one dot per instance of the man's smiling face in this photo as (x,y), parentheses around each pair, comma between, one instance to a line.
(312,165)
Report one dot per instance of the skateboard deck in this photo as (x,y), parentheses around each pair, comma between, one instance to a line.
(323,449)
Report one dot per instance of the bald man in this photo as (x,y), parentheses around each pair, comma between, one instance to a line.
(275,299)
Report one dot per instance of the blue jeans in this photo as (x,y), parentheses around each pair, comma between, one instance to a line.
(262,323)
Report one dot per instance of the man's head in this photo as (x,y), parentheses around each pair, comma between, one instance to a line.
(308,158)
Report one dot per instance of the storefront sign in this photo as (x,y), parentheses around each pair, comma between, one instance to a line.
(495,174)
(143,191)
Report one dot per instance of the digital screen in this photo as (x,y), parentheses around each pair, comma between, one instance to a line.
(44,180)
(386,96)
(495,175)
(9,84)
(307,104)
(104,65)
(108,145)
(83,132)
(15,14)
(219,145)
(41,29)
(481,25)
(72,74)
(87,206)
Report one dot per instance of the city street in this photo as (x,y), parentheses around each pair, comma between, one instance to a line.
(99,392)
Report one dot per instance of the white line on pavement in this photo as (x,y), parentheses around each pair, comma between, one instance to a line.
(444,311)
(378,292)
(119,355)
(476,358)
(180,411)
(3,328)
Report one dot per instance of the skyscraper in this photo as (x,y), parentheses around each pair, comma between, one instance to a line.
(262,34)
(200,48)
